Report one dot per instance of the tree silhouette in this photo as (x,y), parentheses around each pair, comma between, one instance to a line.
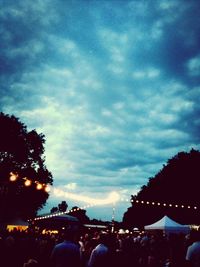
(62,207)
(54,209)
(177,183)
(21,152)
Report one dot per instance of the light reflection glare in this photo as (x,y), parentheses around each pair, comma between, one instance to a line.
(112,197)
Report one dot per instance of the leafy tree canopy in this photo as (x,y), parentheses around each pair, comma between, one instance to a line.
(22,153)
(62,207)
(54,210)
(177,183)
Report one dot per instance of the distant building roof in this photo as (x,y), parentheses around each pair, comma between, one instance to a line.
(66,217)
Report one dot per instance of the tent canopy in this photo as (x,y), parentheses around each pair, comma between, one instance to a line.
(168,225)
(18,221)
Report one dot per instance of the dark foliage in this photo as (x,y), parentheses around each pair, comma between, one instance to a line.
(21,152)
(177,183)
(54,209)
(62,207)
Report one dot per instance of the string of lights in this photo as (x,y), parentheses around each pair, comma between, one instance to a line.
(62,213)
(170,205)
(28,182)
(113,198)
(153,203)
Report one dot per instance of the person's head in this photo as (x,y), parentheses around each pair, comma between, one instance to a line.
(103,238)
(69,234)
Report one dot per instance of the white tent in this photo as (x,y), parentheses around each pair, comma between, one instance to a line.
(168,226)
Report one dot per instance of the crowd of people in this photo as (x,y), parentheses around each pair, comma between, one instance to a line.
(98,249)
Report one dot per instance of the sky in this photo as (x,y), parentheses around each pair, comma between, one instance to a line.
(113,85)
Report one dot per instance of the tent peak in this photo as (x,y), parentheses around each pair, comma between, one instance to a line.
(167,224)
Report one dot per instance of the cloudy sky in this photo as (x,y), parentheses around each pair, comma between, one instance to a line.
(113,86)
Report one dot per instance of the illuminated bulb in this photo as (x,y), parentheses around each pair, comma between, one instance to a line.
(170,205)
(158,203)
(38,186)
(47,189)
(153,203)
(13,177)
(27,183)
(195,208)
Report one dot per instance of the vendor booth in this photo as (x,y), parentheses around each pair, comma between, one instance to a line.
(17,224)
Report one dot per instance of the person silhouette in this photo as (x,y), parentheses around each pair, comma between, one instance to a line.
(66,253)
(193,251)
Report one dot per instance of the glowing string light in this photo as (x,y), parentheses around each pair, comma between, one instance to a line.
(39,186)
(13,177)
(47,188)
(27,182)
(112,197)
(163,204)
(92,205)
